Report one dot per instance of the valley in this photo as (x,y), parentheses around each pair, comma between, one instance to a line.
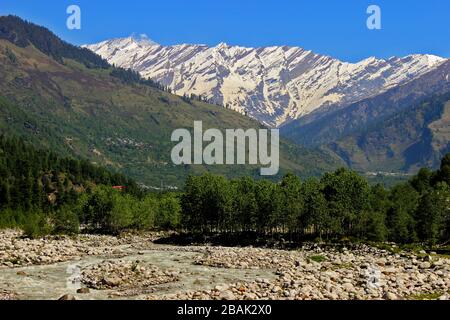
(102,198)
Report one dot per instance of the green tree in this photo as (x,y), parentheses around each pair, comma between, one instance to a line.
(292,204)
(66,221)
(269,200)
(347,195)
(317,215)
(168,214)
(374,224)
(245,205)
(404,201)
(433,214)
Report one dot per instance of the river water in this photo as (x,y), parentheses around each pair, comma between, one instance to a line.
(53,281)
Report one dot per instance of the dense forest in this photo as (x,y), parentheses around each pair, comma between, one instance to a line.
(43,194)
(38,182)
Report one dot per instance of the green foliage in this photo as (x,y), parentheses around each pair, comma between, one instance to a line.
(331,206)
(168,214)
(128,76)
(401,224)
(66,221)
(317,258)
(433,214)
(111,211)
(144,213)
(38,224)
(39,190)
(207,203)
(347,195)
(106,210)
(292,206)
(11,56)
(32,178)
(374,222)
(339,205)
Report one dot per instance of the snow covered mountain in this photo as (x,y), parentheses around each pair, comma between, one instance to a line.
(273,84)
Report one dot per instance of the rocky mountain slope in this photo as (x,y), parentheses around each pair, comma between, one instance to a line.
(273,85)
(404,141)
(325,127)
(401,129)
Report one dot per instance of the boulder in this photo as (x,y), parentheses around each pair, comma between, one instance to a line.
(227,295)
(83,290)
(112,281)
(390,296)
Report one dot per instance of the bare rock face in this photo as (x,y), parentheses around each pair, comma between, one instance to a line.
(67,297)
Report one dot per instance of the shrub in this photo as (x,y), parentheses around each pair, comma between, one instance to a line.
(66,222)
(37,225)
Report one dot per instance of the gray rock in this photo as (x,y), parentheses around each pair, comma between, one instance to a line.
(112,281)
(390,296)
(276,289)
(227,295)
(425,265)
(223,287)
(83,291)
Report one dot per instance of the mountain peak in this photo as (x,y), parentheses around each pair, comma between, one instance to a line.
(222,45)
(143,39)
(134,39)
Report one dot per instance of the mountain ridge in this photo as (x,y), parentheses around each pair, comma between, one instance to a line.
(273,85)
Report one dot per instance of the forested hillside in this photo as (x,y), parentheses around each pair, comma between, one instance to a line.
(37,181)
(403,141)
(63,98)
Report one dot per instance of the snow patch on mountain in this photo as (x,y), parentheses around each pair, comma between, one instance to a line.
(272,84)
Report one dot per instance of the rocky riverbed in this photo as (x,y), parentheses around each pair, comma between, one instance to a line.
(315,273)
(16,251)
(125,275)
(133,267)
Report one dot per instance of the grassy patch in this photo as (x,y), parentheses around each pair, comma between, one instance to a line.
(317,258)
(426,296)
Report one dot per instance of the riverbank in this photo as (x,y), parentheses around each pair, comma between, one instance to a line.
(134,267)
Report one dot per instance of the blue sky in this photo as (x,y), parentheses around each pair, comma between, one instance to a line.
(332,27)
